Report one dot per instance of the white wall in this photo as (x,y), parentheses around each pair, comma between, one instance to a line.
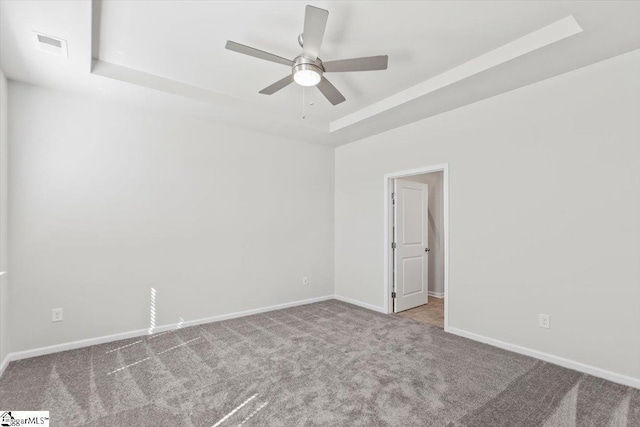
(436,229)
(544,213)
(108,201)
(4,280)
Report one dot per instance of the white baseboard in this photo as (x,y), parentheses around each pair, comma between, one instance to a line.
(246,313)
(557,360)
(567,363)
(140,332)
(435,294)
(4,364)
(360,304)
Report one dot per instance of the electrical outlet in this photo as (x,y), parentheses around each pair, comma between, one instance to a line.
(56,315)
(543,321)
(305,281)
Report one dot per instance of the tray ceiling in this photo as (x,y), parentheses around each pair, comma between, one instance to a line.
(172,53)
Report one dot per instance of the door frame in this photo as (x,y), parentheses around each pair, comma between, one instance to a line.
(388,231)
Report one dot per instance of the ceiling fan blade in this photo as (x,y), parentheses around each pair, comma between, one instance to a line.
(240,48)
(330,92)
(315,22)
(369,63)
(280,84)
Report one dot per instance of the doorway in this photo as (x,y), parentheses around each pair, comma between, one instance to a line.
(416,244)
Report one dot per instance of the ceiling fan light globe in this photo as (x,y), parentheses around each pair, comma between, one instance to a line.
(308,77)
(306,72)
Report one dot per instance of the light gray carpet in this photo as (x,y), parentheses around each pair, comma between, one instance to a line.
(326,364)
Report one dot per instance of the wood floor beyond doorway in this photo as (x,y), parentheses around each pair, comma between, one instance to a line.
(432,313)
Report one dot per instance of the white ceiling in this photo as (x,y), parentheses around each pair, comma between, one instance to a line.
(178,47)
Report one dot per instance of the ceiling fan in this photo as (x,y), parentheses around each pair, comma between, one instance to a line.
(307,69)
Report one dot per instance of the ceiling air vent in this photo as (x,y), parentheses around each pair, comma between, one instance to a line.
(50,44)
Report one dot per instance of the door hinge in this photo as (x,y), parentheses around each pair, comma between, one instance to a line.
(393,245)
(393,198)
(393,294)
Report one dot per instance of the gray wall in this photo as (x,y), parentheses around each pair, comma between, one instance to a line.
(544,213)
(4,280)
(108,201)
(436,229)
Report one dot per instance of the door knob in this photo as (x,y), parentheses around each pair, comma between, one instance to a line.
(427,249)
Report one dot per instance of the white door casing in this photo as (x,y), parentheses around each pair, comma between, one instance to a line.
(411,238)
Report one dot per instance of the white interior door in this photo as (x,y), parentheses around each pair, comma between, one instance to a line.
(411,237)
